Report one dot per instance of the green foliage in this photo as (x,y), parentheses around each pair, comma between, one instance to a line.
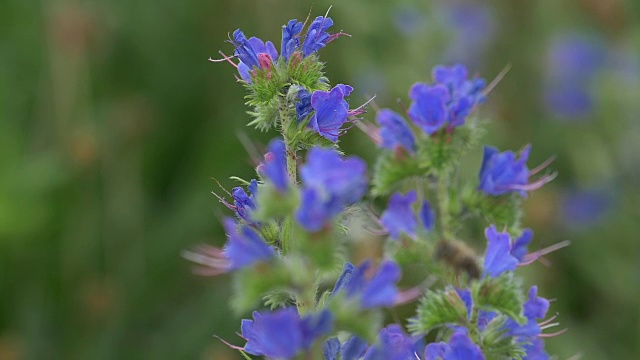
(258,281)
(437,309)
(278,298)
(502,294)
(445,148)
(391,171)
(497,346)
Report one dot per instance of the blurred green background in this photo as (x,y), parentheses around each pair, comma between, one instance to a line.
(113,122)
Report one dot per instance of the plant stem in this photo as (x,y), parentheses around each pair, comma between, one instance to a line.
(443,206)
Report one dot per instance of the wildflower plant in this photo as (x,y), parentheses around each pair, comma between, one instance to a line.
(290,238)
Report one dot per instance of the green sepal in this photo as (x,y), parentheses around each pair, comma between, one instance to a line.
(270,232)
(308,138)
(437,309)
(274,204)
(502,294)
(308,73)
(264,115)
(278,298)
(495,345)
(390,171)
(444,149)
(503,210)
(252,283)
(350,317)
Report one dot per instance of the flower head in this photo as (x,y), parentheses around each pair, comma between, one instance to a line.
(428,108)
(244,247)
(252,53)
(331,109)
(330,183)
(449,100)
(376,291)
(290,38)
(399,217)
(395,132)
(393,344)
(498,258)
(459,347)
(503,173)
(283,333)
(317,35)
(275,165)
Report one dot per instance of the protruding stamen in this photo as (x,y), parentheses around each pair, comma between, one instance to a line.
(497,80)
(542,166)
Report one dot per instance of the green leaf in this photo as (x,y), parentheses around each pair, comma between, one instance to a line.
(502,294)
(437,309)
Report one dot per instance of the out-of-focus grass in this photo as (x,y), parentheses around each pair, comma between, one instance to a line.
(112,123)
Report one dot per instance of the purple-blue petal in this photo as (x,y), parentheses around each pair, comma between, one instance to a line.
(427,215)
(519,248)
(498,258)
(290,38)
(275,167)
(317,36)
(398,217)
(331,112)
(395,132)
(428,108)
(245,247)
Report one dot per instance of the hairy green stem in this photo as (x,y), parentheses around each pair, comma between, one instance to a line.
(443,207)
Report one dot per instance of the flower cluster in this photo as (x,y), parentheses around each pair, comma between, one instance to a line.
(294,224)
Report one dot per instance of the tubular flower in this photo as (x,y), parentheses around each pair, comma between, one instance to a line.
(243,203)
(395,132)
(330,183)
(393,344)
(290,38)
(459,347)
(317,35)
(244,248)
(283,333)
(352,349)
(448,101)
(376,291)
(275,165)
(399,217)
(331,109)
(498,257)
(427,215)
(252,53)
(502,173)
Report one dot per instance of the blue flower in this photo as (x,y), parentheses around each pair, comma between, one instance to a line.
(428,109)
(243,204)
(317,36)
(303,105)
(464,94)
(535,350)
(330,183)
(465,296)
(331,109)
(393,344)
(535,308)
(252,53)
(282,333)
(459,347)
(244,248)
(502,173)
(427,215)
(290,38)
(573,62)
(377,291)
(519,247)
(498,258)
(395,132)
(399,217)
(275,166)
(352,349)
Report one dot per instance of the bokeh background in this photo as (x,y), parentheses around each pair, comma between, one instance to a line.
(113,122)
